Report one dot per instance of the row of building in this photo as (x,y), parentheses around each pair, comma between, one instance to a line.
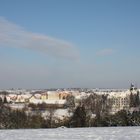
(119,99)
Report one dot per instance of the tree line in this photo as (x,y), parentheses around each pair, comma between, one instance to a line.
(92,111)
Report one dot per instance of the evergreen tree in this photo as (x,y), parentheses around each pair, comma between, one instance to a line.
(131,97)
(79,117)
(137,99)
(5,100)
(1,102)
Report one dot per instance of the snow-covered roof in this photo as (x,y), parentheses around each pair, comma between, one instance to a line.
(36,101)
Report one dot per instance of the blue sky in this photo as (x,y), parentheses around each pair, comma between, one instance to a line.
(69,43)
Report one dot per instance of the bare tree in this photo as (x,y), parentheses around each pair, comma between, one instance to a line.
(50,117)
(70,103)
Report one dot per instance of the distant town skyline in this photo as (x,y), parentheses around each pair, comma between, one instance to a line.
(69,43)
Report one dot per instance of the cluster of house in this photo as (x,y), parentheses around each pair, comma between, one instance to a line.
(19,99)
(119,99)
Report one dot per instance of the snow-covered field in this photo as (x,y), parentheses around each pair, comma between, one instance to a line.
(104,133)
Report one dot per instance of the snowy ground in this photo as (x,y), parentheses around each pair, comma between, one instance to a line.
(106,133)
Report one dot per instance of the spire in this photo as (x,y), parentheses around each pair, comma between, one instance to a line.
(132,87)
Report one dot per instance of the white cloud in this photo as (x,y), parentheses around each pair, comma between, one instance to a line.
(12,35)
(106,52)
